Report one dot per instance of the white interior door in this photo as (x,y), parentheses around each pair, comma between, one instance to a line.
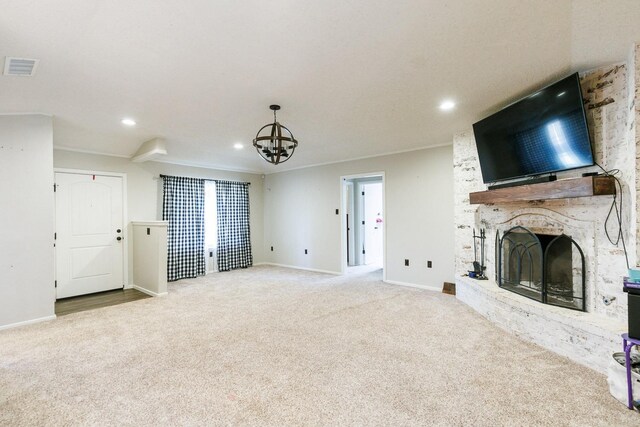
(89,234)
(373,223)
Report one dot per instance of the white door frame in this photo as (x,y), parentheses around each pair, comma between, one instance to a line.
(350,221)
(125,227)
(343,220)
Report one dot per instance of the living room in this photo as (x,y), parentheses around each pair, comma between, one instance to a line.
(144,91)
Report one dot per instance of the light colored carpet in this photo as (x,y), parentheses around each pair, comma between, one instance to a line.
(272,346)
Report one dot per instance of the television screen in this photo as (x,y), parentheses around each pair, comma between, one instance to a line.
(542,133)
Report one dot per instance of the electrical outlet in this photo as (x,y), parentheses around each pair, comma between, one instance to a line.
(210,254)
(271,248)
(305,252)
(337,212)
(406,263)
(429,264)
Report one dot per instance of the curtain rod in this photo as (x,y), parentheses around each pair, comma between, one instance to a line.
(204,179)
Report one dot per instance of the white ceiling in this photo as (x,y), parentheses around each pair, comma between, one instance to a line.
(354,79)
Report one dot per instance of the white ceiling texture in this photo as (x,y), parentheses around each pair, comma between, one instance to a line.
(354,78)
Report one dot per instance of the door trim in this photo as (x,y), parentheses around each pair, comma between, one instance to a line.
(125,221)
(343,215)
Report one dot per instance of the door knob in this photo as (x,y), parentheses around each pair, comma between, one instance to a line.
(118,238)
(118,230)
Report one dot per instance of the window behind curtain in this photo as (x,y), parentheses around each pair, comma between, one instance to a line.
(210,226)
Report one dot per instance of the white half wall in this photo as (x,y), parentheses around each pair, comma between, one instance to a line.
(27,291)
(300,214)
(144,189)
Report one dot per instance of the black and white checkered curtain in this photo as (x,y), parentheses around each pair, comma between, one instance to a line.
(183,208)
(234,237)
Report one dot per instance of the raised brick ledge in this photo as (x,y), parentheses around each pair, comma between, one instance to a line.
(586,338)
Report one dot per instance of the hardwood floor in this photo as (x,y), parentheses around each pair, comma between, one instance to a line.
(102,299)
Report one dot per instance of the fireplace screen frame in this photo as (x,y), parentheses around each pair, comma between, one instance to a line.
(579,301)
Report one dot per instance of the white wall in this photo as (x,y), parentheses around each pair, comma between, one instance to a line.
(300,214)
(602,31)
(27,290)
(150,257)
(144,189)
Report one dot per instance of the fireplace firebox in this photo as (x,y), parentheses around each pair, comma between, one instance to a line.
(543,267)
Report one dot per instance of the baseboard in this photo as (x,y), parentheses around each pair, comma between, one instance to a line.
(295,267)
(28,322)
(148,292)
(414,285)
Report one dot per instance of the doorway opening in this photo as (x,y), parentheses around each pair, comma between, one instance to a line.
(363,225)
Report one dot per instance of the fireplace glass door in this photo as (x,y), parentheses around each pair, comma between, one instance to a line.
(521,263)
(546,268)
(564,273)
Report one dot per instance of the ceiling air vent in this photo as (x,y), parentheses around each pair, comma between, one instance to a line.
(20,66)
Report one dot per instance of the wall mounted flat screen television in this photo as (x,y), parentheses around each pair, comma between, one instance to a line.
(542,133)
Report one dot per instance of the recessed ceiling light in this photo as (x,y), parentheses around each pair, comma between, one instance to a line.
(447,105)
(128,122)
(561,93)
(238,146)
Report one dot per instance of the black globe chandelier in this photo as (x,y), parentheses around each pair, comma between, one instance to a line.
(274,146)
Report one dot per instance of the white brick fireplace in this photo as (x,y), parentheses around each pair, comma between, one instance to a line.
(586,337)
